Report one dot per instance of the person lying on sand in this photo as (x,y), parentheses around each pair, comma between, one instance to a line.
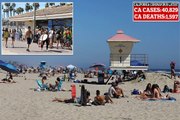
(71,100)
(8,80)
(115,91)
(101,99)
(156,94)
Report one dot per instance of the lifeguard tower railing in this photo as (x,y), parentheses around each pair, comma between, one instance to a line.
(132,59)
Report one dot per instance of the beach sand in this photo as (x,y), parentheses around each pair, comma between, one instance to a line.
(18,101)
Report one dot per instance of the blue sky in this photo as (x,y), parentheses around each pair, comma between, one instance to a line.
(97,20)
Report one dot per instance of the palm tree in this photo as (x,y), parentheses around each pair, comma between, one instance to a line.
(7,8)
(62,3)
(51,4)
(22,10)
(13,5)
(46,5)
(36,5)
(11,9)
(4,11)
(30,7)
(14,11)
(27,7)
(18,11)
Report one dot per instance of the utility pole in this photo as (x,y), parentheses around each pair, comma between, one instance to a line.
(34,21)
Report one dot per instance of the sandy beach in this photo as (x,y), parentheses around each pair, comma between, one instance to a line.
(19,101)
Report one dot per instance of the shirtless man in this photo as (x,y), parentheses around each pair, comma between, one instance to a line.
(28,37)
(101,99)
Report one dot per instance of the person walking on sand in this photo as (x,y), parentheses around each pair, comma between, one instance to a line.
(28,37)
(172,65)
(44,39)
(13,33)
(51,37)
(6,35)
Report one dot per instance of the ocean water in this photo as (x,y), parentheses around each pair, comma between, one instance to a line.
(167,71)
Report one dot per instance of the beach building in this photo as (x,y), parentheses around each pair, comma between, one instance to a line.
(51,17)
(121,46)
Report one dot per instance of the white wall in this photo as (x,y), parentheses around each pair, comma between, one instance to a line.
(115,55)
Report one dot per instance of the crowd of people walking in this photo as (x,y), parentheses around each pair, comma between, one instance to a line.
(61,37)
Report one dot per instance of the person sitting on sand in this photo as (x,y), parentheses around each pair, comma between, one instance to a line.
(53,87)
(71,100)
(45,85)
(148,91)
(156,93)
(101,99)
(176,86)
(115,91)
(9,79)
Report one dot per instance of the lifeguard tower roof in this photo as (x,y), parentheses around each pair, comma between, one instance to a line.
(120,36)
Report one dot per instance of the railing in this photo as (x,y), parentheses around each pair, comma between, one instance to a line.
(132,59)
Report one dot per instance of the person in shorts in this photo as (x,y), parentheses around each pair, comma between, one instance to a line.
(172,65)
(6,35)
(28,37)
(13,37)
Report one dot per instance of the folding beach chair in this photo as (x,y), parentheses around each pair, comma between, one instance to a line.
(59,85)
(40,85)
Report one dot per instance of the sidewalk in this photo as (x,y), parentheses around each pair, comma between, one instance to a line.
(21,46)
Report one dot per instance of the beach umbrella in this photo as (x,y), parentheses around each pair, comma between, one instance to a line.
(71,67)
(97,65)
(8,67)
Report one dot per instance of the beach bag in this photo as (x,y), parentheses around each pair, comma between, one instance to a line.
(135,92)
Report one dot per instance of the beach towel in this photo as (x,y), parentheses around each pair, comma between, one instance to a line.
(172,99)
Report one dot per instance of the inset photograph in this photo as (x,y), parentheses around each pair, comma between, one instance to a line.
(37,28)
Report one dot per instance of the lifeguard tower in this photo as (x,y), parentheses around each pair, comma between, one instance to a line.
(120,53)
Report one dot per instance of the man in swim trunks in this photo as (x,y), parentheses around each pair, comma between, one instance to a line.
(28,37)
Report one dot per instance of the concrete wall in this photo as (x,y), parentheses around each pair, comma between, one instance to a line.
(120,53)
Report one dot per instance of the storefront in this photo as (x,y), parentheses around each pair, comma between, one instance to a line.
(54,23)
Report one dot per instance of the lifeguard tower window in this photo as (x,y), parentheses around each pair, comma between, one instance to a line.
(120,59)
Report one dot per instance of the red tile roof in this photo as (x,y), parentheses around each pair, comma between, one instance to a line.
(120,36)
